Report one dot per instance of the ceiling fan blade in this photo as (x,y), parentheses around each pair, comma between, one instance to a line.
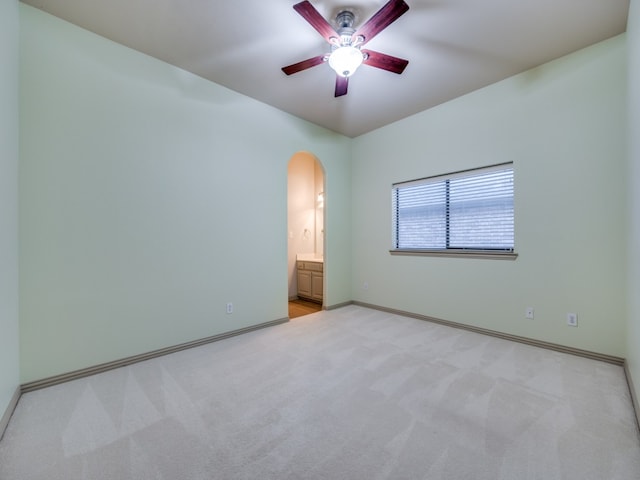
(341,85)
(385,62)
(388,14)
(303,65)
(317,21)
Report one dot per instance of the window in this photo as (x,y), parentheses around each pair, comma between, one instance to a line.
(467,212)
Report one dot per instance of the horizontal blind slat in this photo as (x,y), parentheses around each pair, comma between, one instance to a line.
(475,211)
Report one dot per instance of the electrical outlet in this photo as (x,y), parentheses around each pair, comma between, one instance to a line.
(572,319)
(529,312)
(229,307)
(365,286)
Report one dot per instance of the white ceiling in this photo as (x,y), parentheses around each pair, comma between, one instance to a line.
(453,47)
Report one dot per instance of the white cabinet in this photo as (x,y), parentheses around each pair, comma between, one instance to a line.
(317,280)
(310,280)
(304,283)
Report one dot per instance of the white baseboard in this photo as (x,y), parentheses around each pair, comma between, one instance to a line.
(536,343)
(4,421)
(632,391)
(338,305)
(514,338)
(46,382)
(103,367)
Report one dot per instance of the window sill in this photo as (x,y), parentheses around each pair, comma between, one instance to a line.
(483,254)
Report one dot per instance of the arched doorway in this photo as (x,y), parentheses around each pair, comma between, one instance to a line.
(305,239)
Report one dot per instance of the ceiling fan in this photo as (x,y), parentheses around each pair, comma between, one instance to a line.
(346,42)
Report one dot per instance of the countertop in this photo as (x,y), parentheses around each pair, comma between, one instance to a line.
(310,257)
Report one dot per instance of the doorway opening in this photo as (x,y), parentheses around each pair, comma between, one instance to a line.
(300,307)
(305,223)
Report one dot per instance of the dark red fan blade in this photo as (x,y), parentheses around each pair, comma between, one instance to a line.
(385,62)
(303,65)
(388,14)
(317,21)
(341,85)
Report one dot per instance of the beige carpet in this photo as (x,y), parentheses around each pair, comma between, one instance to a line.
(350,394)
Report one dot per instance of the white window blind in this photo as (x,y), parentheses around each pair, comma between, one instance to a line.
(470,210)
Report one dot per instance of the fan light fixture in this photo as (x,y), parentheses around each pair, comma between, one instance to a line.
(345,57)
(346,42)
(346,60)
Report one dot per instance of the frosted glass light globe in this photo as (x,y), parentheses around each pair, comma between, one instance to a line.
(345,60)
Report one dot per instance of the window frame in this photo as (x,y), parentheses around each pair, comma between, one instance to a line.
(488,253)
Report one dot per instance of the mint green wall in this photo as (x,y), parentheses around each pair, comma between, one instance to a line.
(9,368)
(149,198)
(633,337)
(130,167)
(563,125)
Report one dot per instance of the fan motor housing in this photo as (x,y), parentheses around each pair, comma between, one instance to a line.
(344,21)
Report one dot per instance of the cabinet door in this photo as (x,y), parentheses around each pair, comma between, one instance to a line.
(316,285)
(304,283)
